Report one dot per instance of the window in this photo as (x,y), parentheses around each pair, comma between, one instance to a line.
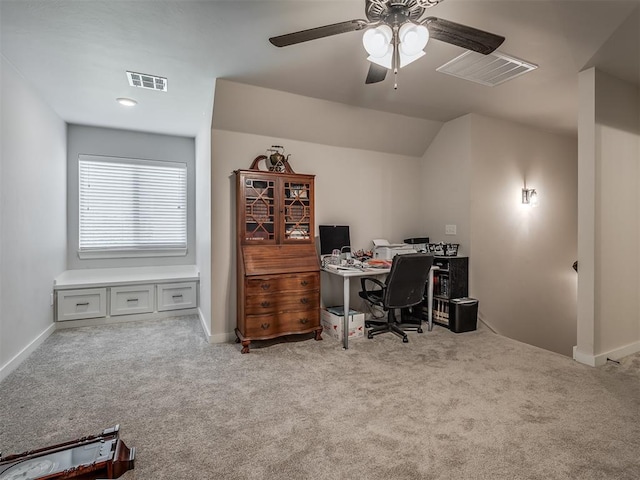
(131,207)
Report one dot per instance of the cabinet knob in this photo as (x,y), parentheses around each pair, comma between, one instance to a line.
(304,283)
(304,321)
(265,326)
(304,300)
(265,304)
(265,286)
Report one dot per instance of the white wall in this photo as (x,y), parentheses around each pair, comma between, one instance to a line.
(609,322)
(124,143)
(520,258)
(377,194)
(203,216)
(446,185)
(32,217)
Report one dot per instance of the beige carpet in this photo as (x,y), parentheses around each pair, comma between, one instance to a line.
(443,406)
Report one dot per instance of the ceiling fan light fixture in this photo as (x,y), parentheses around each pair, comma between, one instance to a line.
(407,59)
(413,38)
(377,41)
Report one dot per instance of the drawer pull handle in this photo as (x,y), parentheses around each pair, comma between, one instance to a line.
(304,300)
(264,326)
(176,296)
(132,299)
(304,283)
(83,304)
(304,321)
(265,286)
(265,304)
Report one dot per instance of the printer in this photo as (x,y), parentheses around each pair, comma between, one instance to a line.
(384,250)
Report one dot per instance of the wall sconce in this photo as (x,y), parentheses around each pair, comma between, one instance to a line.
(529,196)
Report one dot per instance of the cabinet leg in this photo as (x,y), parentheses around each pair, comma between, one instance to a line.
(245,346)
(318,334)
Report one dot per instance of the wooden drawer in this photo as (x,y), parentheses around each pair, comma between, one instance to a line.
(82,303)
(265,326)
(265,303)
(176,296)
(282,283)
(132,299)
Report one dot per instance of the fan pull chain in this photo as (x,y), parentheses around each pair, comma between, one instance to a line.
(396,57)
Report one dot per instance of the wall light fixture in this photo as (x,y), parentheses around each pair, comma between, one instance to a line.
(529,196)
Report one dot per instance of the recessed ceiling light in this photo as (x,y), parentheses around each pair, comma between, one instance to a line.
(127,102)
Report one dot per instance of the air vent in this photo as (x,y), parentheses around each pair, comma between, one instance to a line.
(150,82)
(491,70)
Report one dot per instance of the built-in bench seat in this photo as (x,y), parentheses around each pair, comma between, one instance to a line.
(107,295)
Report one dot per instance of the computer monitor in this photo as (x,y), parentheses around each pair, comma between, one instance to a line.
(333,237)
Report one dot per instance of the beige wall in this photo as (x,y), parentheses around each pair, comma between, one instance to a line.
(377,194)
(520,257)
(609,321)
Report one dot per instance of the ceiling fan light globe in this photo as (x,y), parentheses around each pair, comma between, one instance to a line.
(407,59)
(384,61)
(413,38)
(377,40)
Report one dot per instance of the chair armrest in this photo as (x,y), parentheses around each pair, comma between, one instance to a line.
(364,280)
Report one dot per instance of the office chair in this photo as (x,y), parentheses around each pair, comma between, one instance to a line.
(403,288)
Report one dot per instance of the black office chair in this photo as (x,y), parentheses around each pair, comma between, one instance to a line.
(403,288)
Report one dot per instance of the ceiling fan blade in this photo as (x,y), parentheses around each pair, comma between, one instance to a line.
(376,74)
(318,32)
(462,35)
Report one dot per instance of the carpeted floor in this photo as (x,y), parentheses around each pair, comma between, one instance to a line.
(443,406)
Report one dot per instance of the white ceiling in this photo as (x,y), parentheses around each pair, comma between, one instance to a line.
(75,54)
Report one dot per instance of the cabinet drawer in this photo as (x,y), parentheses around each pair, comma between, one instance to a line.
(83,303)
(282,302)
(282,324)
(281,283)
(176,296)
(134,299)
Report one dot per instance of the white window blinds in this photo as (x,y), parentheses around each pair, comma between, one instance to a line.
(130,204)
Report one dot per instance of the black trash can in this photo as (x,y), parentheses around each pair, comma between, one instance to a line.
(463,316)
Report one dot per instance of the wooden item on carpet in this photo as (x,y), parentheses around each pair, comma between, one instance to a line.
(278,271)
(98,456)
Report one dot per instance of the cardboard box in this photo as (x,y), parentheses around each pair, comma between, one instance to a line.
(331,319)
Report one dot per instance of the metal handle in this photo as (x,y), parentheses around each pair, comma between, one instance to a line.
(304,300)
(265,286)
(304,321)
(84,304)
(304,283)
(265,304)
(132,299)
(265,326)
(176,296)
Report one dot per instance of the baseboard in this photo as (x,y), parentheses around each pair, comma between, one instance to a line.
(94,322)
(205,327)
(601,359)
(12,364)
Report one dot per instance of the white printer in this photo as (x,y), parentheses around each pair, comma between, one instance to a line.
(384,250)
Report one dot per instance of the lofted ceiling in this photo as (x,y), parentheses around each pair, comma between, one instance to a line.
(75,54)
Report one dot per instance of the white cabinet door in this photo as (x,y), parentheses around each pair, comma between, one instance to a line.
(82,303)
(176,296)
(132,299)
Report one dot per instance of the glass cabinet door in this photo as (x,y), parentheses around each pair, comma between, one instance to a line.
(259,219)
(297,216)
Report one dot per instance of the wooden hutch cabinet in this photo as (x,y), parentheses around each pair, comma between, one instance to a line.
(277,264)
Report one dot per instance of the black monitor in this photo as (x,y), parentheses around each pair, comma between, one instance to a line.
(333,237)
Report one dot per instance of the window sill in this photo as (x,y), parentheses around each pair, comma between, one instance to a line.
(173,252)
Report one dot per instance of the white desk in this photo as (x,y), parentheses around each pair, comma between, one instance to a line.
(348,274)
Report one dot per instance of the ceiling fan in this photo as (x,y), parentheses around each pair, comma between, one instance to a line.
(396,34)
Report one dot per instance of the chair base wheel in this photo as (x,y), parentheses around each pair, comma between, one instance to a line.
(420,330)
(405,340)
(369,336)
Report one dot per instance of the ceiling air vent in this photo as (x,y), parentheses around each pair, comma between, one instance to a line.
(491,70)
(143,80)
